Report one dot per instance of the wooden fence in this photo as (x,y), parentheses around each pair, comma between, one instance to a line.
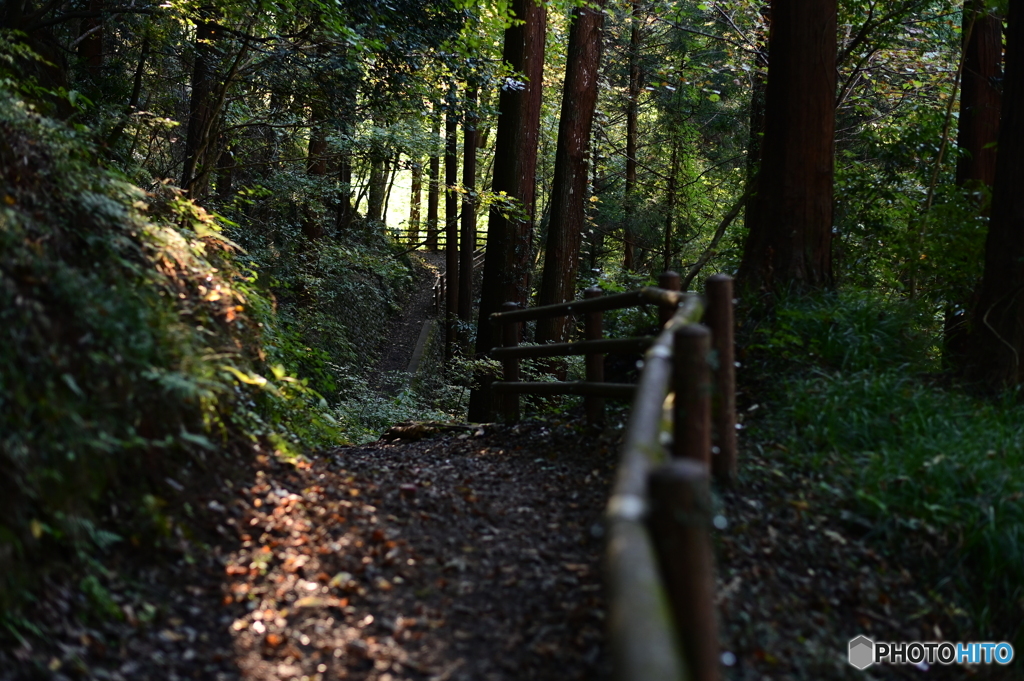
(421,239)
(660,574)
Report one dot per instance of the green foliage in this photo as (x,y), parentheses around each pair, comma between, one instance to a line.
(929,466)
(127,345)
(848,331)
(327,301)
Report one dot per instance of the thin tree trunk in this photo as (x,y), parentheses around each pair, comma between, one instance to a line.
(316,162)
(391,185)
(414,203)
(670,207)
(510,236)
(432,192)
(201,104)
(377,187)
(467,243)
(90,49)
(790,237)
(632,112)
(998,338)
(569,189)
(451,221)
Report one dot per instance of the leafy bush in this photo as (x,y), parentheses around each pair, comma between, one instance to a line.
(129,344)
(848,331)
(928,465)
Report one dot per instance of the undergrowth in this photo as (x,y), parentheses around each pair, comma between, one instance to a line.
(938,471)
(133,345)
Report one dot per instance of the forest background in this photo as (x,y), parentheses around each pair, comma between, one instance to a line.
(201,229)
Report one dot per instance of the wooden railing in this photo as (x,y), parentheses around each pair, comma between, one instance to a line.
(440,288)
(660,575)
(421,239)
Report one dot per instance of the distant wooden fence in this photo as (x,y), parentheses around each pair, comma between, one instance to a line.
(422,239)
(440,288)
(660,576)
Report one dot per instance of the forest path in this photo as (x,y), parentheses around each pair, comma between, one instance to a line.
(469,555)
(395,352)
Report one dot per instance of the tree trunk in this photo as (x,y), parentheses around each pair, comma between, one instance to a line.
(632,112)
(451,221)
(467,244)
(201,105)
(976,136)
(346,211)
(790,239)
(979,97)
(670,206)
(433,189)
(510,236)
(91,47)
(378,185)
(316,162)
(999,316)
(414,203)
(569,189)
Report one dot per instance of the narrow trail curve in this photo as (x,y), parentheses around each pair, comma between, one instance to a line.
(396,350)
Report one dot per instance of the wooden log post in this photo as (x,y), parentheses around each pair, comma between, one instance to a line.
(670,281)
(510,333)
(719,318)
(593,329)
(692,384)
(680,509)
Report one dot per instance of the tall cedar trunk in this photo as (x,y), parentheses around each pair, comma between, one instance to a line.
(414,203)
(790,238)
(467,242)
(200,106)
(632,111)
(976,137)
(979,98)
(758,86)
(509,238)
(451,222)
(569,189)
(998,338)
(434,173)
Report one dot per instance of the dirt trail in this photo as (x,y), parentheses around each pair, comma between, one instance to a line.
(470,555)
(396,350)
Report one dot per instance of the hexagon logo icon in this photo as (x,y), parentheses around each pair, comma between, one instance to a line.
(862,652)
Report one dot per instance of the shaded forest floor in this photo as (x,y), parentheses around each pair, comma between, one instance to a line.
(471,553)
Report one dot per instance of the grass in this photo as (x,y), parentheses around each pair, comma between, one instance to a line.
(934,468)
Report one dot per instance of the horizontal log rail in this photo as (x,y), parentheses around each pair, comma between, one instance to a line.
(577,348)
(616,301)
(441,280)
(622,391)
(594,389)
(660,572)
